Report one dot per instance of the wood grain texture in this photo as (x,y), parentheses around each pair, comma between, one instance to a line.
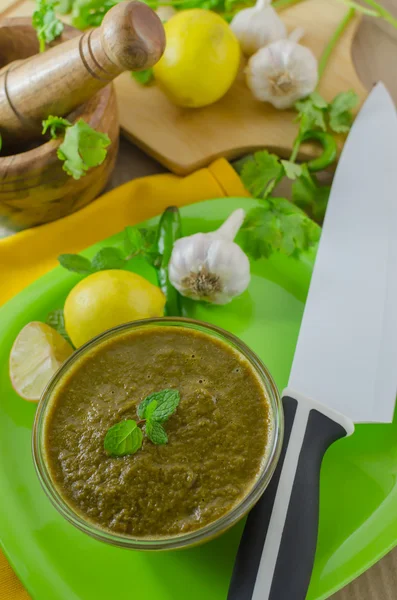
(34,188)
(68,74)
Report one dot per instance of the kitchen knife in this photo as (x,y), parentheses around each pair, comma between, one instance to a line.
(345,364)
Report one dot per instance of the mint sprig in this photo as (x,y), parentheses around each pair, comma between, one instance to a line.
(126,436)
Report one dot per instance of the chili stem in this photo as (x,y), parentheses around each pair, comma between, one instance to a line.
(334,40)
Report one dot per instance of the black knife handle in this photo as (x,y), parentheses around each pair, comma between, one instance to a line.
(276,553)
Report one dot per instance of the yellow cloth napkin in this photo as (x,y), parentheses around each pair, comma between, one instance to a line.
(28,254)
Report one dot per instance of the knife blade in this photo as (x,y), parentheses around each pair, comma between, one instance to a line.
(345,364)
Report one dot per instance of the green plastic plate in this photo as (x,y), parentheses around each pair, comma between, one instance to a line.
(358,522)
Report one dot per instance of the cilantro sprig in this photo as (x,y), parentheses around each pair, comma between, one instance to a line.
(137,242)
(46,23)
(82,148)
(126,437)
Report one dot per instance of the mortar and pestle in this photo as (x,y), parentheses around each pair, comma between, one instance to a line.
(70,79)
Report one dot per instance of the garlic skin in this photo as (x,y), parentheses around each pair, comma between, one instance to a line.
(257,26)
(282,73)
(210,266)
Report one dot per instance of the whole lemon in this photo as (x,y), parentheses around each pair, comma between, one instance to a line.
(201,58)
(109,298)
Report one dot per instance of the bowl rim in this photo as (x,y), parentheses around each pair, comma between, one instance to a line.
(210,530)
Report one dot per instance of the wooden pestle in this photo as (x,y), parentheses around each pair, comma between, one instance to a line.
(57,81)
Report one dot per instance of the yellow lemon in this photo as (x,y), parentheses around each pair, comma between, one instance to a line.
(201,58)
(36,355)
(109,298)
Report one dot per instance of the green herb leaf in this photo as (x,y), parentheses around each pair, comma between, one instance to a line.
(310,114)
(82,148)
(340,113)
(260,174)
(76,263)
(133,240)
(123,438)
(151,407)
(277,226)
(318,101)
(108,258)
(56,125)
(56,320)
(141,242)
(292,170)
(143,77)
(90,13)
(167,402)
(156,433)
(308,195)
(46,23)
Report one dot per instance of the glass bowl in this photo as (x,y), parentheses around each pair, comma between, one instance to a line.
(210,530)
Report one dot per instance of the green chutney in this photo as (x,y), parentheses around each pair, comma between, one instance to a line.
(218,436)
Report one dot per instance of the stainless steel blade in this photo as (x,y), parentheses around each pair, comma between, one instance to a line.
(346,356)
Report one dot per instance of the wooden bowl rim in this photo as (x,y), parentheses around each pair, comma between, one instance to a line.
(47,151)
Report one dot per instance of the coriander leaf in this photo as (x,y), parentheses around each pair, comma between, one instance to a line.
(56,320)
(76,263)
(292,170)
(108,258)
(46,23)
(82,148)
(308,195)
(143,77)
(340,115)
(64,6)
(318,101)
(278,226)
(260,174)
(54,124)
(123,438)
(156,433)
(167,402)
(310,115)
(90,13)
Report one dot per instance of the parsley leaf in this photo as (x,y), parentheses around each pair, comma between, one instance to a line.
(156,433)
(56,320)
(82,148)
(260,174)
(143,77)
(56,125)
(46,23)
(277,226)
(340,112)
(123,438)
(76,263)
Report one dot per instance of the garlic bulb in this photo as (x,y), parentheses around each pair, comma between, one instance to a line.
(165,12)
(210,266)
(283,72)
(257,26)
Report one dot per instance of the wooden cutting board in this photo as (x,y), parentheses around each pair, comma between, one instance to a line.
(186,139)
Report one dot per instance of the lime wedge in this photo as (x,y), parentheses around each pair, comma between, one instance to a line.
(36,355)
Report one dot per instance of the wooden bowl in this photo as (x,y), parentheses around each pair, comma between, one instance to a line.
(34,188)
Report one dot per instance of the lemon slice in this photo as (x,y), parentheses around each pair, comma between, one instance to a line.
(36,355)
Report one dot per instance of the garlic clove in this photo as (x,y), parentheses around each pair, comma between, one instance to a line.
(282,73)
(257,26)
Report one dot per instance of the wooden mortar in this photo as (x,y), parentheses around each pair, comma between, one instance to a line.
(34,189)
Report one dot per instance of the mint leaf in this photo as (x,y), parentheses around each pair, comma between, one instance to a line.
(151,407)
(167,402)
(123,438)
(260,173)
(340,113)
(156,433)
(56,320)
(108,258)
(291,169)
(76,263)
(133,240)
(56,125)
(82,148)
(143,77)
(47,25)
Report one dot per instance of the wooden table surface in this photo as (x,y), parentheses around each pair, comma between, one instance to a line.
(375,57)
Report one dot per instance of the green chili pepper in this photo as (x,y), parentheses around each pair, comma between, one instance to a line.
(329,153)
(169,230)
